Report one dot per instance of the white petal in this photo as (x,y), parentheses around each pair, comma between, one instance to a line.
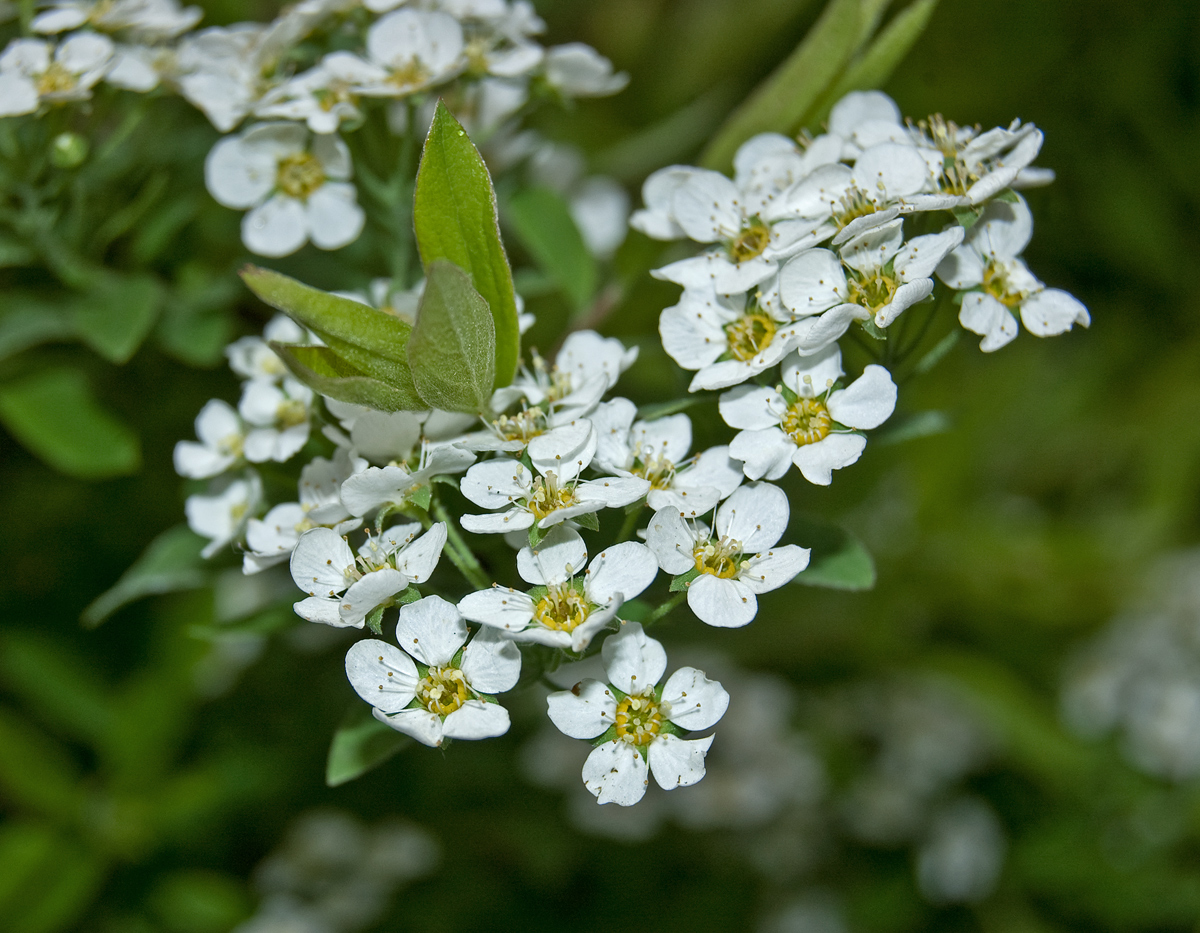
(431,630)
(633,660)
(497,523)
(859,107)
(612,421)
(677,762)
(501,607)
(418,560)
(494,484)
(583,712)
(374,487)
(817,462)
(237,177)
(922,254)
(276,228)
(320,561)
(490,662)
(983,314)
(705,205)
(890,170)
(905,297)
(559,556)
(750,406)
(612,492)
(812,282)
(334,217)
(565,450)
(615,773)
(962,268)
(696,702)
(195,461)
(765,454)
(621,571)
(477,720)
(381,674)
(756,515)
(669,437)
(18,95)
(871,250)
(420,724)
(1003,230)
(1053,311)
(867,402)
(713,468)
(669,538)
(771,569)
(691,332)
(722,603)
(323,611)
(366,594)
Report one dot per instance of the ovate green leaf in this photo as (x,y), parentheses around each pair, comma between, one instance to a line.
(325,372)
(452,348)
(116,316)
(839,561)
(170,563)
(454,213)
(361,743)
(543,222)
(54,413)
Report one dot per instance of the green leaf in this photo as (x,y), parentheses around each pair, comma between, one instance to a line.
(875,65)
(171,562)
(452,350)
(421,496)
(30,320)
(361,743)
(912,426)
(36,772)
(115,318)
(839,561)
(680,583)
(327,373)
(47,879)
(782,101)
(54,413)
(454,214)
(543,223)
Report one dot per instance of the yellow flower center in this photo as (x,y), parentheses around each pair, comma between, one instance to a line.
(443,690)
(56,80)
(231,445)
(872,293)
(996,284)
(853,204)
(291,413)
(562,609)
(943,133)
(524,426)
(658,470)
(299,175)
(807,421)
(955,177)
(719,558)
(750,243)
(411,74)
(476,55)
(548,496)
(750,334)
(639,719)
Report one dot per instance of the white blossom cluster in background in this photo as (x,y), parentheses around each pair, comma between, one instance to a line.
(283,161)
(1140,678)
(332,874)
(813,235)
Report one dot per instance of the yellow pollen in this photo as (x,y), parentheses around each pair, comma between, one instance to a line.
(299,175)
(658,470)
(995,283)
(409,75)
(524,426)
(751,242)
(231,445)
(291,413)
(639,719)
(955,177)
(548,496)
(56,80)
(874,292)
(719,559)
(807,421)
(750,334)
(476,55)
(943,133)
(853,204)
(561,609)
(443,690)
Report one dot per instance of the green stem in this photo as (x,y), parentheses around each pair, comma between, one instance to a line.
(666,608)
(457,550)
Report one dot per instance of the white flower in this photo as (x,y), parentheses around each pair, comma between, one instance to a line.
(252,358)
(221,71)
(657,451)
(728,339)
(406,50)
(220,517)
(31,74)
(343,591)
(437,697)
(322,97)
(809,426)
(278,416)
(222,437)
(555,494)
(139,67)
(390,485)
(564,611)
(578,70)
(863,119)
(645,721)
(876,271)
(295,186)
(972,167)
(987,263)
(271,539)
(600,209)
(153,20)
(736,565)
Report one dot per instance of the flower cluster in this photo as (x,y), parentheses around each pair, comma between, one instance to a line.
(295,85)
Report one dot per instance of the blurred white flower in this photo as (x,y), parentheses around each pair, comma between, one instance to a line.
(33,71)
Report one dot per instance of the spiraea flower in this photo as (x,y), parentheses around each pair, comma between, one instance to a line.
(252,358)
(222,438)
(553,494)
(294,184)
(995,282)
(436,689)
(657,451)
(878,272)
(578,70)
(727,568)
(636,724)
(222,516)
(149,20)
(278,418)
(564,610)
(344,589)
(407,50)
(33,72)
(805,421)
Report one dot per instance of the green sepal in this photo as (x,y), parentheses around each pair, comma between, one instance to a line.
(873,330)
(679,584)
(588,520)
(410,594)
(375,620)
(535,535)
(421,496)
(967,216)
(608,735)
(1008,196)
(788,395)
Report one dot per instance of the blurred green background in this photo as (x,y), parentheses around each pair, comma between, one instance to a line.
(148,765)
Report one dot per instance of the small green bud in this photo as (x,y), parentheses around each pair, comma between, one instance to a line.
(68,150)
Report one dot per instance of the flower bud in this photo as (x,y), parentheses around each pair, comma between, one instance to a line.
(68,150)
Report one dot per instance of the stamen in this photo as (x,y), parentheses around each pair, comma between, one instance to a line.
(750,334)
(299,175)
(807,421)
(443,690)
(719,558)
(639,719)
